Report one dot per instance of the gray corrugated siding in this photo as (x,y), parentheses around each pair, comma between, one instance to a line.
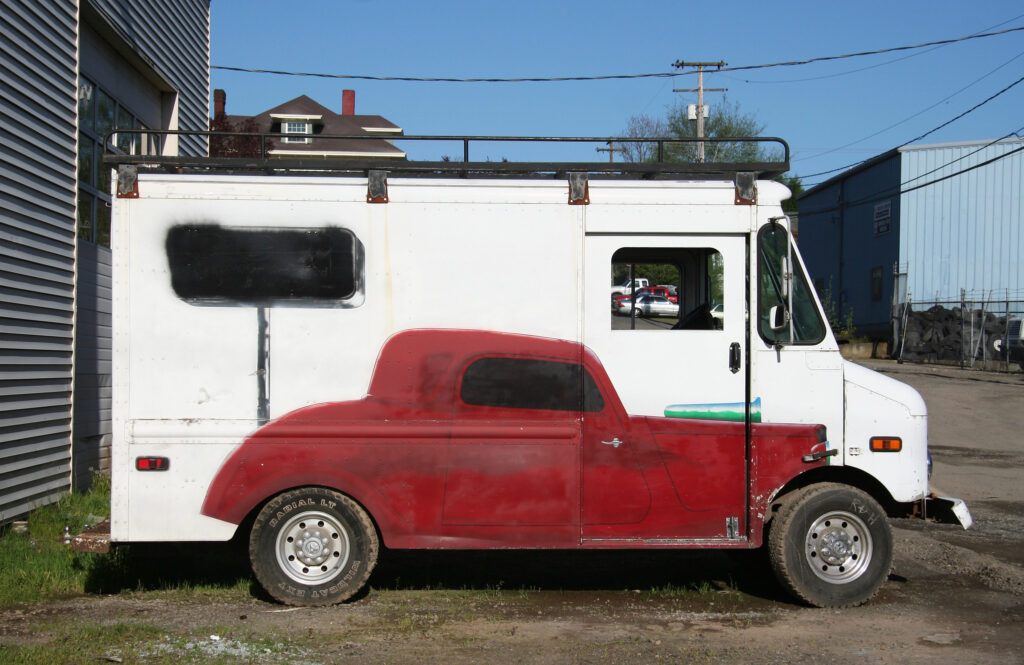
(38,104)
(173,36)
(92,363)
(38,135)
(966,232)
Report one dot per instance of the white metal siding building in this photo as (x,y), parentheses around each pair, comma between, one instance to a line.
(967,231)
(71,70)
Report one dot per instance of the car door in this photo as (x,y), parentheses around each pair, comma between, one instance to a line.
(513,458)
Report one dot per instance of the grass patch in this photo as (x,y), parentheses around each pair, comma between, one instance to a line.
(38,566)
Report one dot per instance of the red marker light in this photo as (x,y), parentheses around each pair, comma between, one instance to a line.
(152,463)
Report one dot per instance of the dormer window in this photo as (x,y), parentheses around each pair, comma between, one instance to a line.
(297,127)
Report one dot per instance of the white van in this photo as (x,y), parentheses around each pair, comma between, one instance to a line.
(287,370)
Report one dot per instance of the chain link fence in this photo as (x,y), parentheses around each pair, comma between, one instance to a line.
(974,332)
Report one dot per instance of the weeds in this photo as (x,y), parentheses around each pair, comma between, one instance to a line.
(38,566)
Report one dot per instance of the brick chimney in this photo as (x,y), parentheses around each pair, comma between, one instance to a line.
(219,99)
(348,102)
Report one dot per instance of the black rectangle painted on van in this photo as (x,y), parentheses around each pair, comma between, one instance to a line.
(211,264)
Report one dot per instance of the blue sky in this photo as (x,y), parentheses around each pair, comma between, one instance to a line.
(831,113)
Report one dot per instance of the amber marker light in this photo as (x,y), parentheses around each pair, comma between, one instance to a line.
(886,444)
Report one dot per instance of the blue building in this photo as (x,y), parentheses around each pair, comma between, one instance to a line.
(918,222)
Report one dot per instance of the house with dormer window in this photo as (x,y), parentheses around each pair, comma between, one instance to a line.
(304,123)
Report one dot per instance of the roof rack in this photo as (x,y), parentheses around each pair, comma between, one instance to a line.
(254,157)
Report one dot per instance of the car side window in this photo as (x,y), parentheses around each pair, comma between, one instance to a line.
(529,383)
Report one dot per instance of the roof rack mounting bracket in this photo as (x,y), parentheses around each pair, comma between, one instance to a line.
(127,181)
(746,188)
(579,189)
(376,186)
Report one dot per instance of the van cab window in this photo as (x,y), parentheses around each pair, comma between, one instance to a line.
(808,327)
(674,288)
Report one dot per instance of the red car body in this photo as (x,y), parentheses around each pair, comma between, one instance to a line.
(437,471)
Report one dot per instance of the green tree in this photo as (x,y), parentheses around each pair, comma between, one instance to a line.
(726,120)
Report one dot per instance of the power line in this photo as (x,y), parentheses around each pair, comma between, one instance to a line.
(875,66)
(929,132)
(607,77)
(941,166)
(932,131)
(878,196)
(863,53)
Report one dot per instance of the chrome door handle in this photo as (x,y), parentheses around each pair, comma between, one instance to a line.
(614,442)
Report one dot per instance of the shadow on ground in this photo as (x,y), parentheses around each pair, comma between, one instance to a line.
(161,566)
(623,570)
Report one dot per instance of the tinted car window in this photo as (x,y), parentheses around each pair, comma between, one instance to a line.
(526,383)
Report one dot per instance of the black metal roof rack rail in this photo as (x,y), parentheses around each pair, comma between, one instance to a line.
(255,157)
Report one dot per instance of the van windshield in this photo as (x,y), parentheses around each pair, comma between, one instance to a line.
(808,328)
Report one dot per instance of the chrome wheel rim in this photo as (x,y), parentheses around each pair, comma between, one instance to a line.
(838,547)
(312,547)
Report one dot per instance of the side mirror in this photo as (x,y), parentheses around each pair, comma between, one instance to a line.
(777,317)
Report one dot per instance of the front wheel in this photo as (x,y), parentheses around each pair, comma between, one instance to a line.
(831,545)
(312,546)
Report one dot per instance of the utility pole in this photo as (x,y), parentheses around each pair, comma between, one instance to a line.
(611,150)
(700,97)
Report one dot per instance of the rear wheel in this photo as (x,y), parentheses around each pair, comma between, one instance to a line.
(312,546)
(831,545)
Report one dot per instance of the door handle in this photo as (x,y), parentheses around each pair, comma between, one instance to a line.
(734,357)
(614,442)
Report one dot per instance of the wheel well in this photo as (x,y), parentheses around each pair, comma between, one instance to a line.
(844,475)
(245,526)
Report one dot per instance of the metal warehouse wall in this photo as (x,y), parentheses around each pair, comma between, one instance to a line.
(964,232)
(849,244)
(173,38)
(39,62)
(38,105)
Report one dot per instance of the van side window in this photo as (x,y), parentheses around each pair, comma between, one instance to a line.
(676,288)
(212,264)
(808,327)
(527,383)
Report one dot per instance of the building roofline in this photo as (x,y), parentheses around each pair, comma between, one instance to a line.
(898,150)
(960,144)
(863,166)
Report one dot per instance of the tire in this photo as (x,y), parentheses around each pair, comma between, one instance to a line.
(312,546)
(831,545)
(637,312)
